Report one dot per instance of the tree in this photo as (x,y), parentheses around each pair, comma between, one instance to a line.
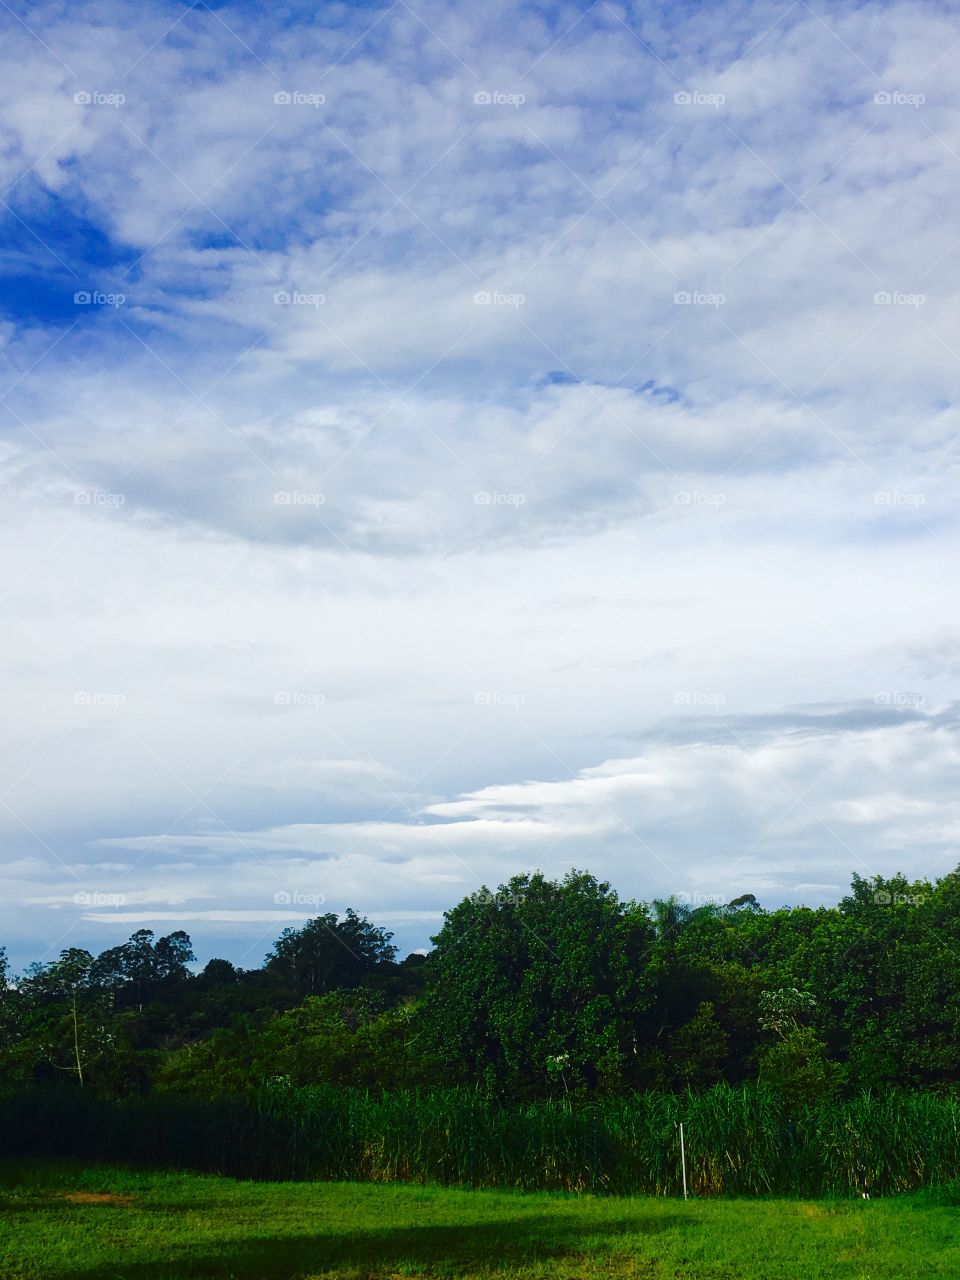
(66,1018)
(887,963)
(670,917)
(135,971)
(531,973)
(172,954)
(782,1011)
(329,953)
(699,1049)
(798,1069)
(796,1066)
(745,902)
(8,1013)
(219,973)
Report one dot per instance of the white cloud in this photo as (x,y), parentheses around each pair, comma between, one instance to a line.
(779,815)
(341,574)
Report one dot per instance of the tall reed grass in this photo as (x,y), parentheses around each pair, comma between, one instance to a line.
(739,1141)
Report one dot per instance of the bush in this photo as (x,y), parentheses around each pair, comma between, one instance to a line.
(797,1069)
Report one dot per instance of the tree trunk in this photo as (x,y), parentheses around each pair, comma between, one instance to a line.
(76,1041)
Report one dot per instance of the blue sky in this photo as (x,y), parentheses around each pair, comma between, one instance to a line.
(443,441)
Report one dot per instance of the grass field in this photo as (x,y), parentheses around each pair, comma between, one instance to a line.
(63,1222)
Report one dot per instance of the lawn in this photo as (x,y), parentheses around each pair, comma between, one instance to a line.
(64,1222)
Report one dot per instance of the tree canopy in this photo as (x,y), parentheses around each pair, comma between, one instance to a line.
(536,988)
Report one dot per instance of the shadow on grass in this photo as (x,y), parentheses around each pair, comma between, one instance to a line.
(507,1244)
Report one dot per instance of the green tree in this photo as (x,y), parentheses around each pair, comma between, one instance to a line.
(66,1019)
(535,971)
(8,1019)
(139,969)
(797,1068)
(887,965)
(699,1049)
(783,1011)
(328,953)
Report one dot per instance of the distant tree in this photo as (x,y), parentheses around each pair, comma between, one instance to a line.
(329,953)
(887,965)
(218,972)
(670,917)
(746,902)
(139,968)
(342,1038)
(535,989)
(172,954)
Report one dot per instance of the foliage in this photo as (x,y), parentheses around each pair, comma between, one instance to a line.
(537,970)
(781,1011)
(137,971)
(66,1016)
(700,1048)
(329,953)
(797,1069)
(538,989)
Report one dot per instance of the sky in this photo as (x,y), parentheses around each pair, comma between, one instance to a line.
(444,441)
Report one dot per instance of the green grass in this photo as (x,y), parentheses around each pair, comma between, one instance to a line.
(174,1226)
(739,1141)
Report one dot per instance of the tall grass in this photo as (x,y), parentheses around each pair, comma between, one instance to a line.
(739,1140)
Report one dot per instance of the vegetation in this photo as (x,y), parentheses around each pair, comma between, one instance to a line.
(539,989)
(64,1223)
(739,1141)
(554,1037)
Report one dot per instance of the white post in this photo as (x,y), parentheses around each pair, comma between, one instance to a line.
(683,1162)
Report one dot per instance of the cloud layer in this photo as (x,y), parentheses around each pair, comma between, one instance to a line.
(440,442)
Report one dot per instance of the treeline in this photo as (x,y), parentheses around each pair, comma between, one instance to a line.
(538,990)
